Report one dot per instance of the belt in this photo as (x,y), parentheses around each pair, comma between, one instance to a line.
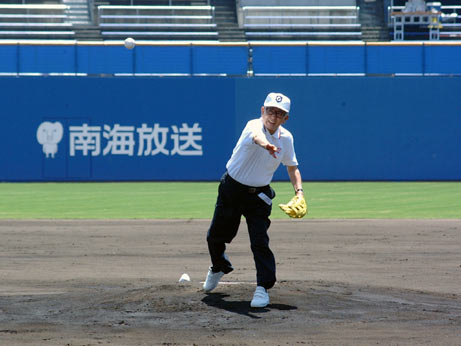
(246,188)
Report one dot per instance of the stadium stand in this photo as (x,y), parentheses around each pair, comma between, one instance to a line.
(48,21)
(434,21)
(372,21)
(191,21)
(228,20)
(78,11)
(299,20)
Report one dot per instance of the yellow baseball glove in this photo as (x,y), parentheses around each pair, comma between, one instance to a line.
(295,208)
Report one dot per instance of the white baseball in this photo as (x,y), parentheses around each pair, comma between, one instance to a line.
(184,277)
(130,43)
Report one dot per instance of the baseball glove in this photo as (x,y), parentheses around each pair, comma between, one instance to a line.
(295,208)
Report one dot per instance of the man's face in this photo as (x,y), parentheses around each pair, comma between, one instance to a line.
(272,118)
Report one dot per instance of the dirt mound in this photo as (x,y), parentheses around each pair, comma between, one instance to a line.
(340,283)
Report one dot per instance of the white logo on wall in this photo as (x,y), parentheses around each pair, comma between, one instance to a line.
(49,135)
(105,140)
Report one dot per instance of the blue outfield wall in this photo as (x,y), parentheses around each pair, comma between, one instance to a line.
(169,128)
(108,59)
(359,58)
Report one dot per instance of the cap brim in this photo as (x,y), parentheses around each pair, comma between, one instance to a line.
(275,106)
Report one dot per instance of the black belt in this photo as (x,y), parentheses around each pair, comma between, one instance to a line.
(246,188)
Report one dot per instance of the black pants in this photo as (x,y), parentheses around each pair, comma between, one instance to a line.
(235,200)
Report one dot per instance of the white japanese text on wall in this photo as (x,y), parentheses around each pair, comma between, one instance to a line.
(105,140)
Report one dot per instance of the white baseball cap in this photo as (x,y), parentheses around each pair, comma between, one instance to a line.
(279,101)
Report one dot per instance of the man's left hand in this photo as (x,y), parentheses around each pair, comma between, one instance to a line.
(296,207)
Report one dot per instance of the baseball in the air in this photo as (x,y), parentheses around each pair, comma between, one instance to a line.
(130,43)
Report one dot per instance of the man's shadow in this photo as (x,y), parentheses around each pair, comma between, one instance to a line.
(240,307)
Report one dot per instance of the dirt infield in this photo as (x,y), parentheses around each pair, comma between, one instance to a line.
(341,282)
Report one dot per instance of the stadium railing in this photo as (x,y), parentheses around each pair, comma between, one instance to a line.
(154,2)
(31,2)
(169,22)
(37,20)
(300,22)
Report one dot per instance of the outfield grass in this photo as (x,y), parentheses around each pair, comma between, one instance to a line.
(331,200)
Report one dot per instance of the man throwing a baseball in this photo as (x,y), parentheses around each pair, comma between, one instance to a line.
(244,190)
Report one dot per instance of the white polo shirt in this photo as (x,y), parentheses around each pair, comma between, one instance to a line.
(252,165)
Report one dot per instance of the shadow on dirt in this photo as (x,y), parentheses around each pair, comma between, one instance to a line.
(241,307)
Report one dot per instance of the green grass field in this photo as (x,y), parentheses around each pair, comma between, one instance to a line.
(329,200)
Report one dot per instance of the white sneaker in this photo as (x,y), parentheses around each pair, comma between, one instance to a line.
(260,298)
(212,280)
